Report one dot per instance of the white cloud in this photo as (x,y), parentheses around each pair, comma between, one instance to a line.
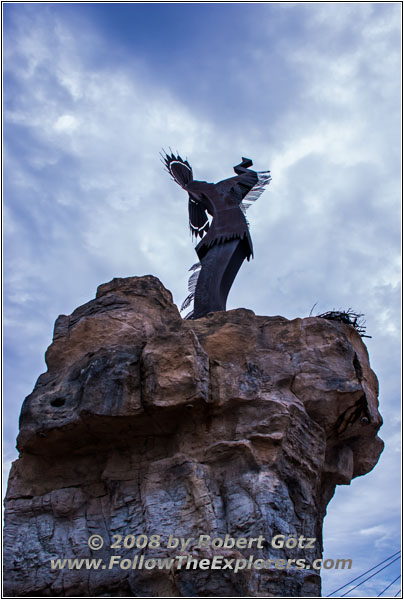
(66,123)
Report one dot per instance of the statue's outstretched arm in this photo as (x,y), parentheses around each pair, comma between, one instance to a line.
(246,178)
(243,167)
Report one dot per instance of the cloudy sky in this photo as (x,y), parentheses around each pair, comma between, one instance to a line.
(310,91)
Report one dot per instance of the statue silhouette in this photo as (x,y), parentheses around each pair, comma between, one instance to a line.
(226,240)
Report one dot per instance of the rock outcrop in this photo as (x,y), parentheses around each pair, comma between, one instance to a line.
(148,425)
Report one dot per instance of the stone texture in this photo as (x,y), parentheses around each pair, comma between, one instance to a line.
(148,424)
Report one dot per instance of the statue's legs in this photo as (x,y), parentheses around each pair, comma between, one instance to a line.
(220,266)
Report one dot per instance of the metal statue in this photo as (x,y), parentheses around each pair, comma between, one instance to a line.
(226,240)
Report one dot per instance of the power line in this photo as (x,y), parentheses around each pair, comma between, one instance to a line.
(399,592)
(362,574)
(370,576)
(390,584)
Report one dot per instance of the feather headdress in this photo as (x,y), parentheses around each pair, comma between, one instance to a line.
(179,169)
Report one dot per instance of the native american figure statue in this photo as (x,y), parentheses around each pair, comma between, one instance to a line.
(226,240)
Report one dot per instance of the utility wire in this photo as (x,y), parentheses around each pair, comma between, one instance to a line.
(390,584)
(362,574)
(370,576)
(399,592)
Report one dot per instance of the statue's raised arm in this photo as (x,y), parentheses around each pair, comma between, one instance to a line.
(226,239)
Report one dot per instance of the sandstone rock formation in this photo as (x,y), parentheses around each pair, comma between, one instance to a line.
(146,424)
